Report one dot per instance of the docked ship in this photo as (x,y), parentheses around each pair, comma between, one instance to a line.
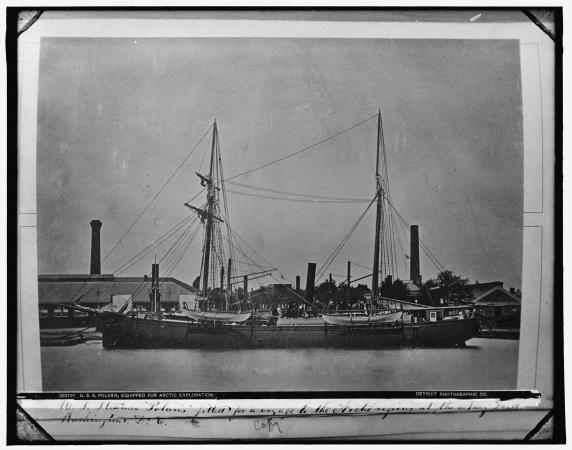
(222,315)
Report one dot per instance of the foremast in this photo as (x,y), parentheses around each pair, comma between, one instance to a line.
(211,195)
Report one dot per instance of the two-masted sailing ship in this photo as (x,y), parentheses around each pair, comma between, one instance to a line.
(222,316)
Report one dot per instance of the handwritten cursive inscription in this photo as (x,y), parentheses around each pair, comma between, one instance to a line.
(262,416)
(269,424)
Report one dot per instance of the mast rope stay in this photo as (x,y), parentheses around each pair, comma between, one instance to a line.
(227,222)
(301,150)
(337,250)
(157,194)
(76,293)
(138,257)
(270,274)
(423,245)
(298,200)
(296,194)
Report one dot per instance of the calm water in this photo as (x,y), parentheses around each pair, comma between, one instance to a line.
(484,364)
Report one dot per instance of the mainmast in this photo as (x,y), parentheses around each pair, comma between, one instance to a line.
(378,216)
(209,216)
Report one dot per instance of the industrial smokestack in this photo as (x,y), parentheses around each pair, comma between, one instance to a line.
(297,283)
(310,277)
(414,257)
(95,267)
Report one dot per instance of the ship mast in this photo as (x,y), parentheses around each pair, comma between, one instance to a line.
(378,216)
(209,216)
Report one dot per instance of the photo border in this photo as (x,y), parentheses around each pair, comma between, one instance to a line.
(557,385)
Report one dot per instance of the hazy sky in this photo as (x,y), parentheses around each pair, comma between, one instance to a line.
(116,117)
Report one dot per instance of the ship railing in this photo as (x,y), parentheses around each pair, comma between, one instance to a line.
(458,311)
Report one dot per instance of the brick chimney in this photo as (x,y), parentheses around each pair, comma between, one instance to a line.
(95,268)
(298,283)
(310,279)
(414,257)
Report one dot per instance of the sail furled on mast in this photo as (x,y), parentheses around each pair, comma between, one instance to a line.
(208,181)
(378,214)
(217,266)
(384,256)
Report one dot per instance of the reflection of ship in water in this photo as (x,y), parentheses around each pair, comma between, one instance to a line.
(223,315)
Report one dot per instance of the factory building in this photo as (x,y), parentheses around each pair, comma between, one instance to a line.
(95,290)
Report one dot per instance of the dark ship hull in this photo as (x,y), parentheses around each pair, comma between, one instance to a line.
(122,331)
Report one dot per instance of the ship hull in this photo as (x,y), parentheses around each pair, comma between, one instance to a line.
(132,332)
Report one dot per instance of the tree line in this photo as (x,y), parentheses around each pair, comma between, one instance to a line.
(445,289)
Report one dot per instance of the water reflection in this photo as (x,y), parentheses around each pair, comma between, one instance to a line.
(482,364)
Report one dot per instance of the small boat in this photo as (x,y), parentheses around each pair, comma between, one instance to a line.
(217,316)
(359,318)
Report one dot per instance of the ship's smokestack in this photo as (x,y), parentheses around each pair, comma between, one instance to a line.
(95,267)
(414,257)
(297,283)
(348,281)
(310,277)
(155,295)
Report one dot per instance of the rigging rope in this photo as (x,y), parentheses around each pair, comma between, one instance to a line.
(182,251)
(303,149)
(135,259)
(270,274)
(363,267)
(186,221)
(196,195)
(226,211)
(167,256)
(425,249)
(345,201)
(180,246)
(179,250)
(156,195)
(252,264)
(337,250)
(243,253)
(423,245)
(142,213)
(311,196)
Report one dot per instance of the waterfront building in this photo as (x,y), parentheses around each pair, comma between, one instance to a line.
(95,290)
(496,305)
(491,301)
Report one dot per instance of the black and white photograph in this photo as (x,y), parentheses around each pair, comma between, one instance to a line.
(251,212)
